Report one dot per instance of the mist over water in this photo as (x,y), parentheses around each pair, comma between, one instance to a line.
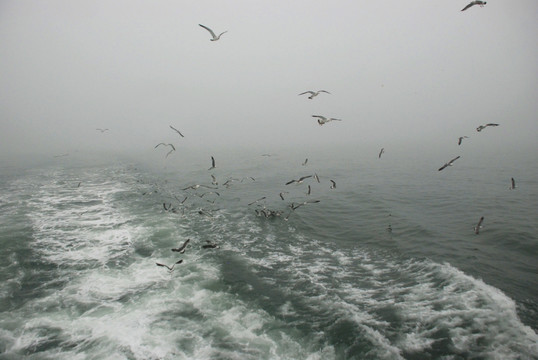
(79,278)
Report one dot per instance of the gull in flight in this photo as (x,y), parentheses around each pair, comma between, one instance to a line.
(176,130)
(293,206)
(482,127)
(316,177)
(478,226)
(313,94)
(196,186)
(472,3)
(460,139)
(309,190)
(172,146)
(512,184)
(323,120)
(333,184)
(101,130)
(298,181)
(381,153)
(181,249)
(168,267)
(449,163)
(282,194)
(255,201)
(212,163)
(215,37)
(305,161)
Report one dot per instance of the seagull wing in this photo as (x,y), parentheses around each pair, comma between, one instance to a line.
(166,266)
(305,177)
(156,146)
(307,92)
(456,158)
(210,31)
(468,6)
(176,130)
(325,91)
(442,167)
(381,152)
(291,181)
(320,117)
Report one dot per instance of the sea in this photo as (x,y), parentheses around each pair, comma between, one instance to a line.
(384,263)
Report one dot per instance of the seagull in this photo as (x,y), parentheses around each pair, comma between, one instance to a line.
(305,161)
(170,268)
(196,186)
(101,130)
(181,249)
(316,177)
(449,163)
(210,245)
(323,120)
(482,127)
(208,192)
(298,181)
(293,206)
(460,139)
(333,184)
(172,146)
(212,163)
(476,2)
(215,37)
(309,190)
(478,226)
(282,194)
(314,93)
(381,152)
(214,181)
(512,184)
(176,130)
(255,201)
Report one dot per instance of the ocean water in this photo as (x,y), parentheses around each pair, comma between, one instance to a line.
(80,241)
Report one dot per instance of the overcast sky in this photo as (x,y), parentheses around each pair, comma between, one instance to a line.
(399,73)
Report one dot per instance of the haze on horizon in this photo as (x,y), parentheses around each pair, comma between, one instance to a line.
(401,74)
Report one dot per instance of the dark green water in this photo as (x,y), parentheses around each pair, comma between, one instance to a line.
(79,280)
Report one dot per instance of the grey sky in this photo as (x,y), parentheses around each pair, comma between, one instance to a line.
(400,72)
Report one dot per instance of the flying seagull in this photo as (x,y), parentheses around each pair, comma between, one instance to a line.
(215,37)
(298,181)
(316,177)
(212,163)
(210,245)
(282,194)
(333,184)
(255,201)
(172,146)
(323,120)
(472,3)
(305,161)
(478,226)
(449,163)
(181,249)
(381,153)
(309,190)
(482,127)
(313,94)
(168,267)
(293,206)
(512,184)
(101,130)
(196,186)
(460,139)
(176,130)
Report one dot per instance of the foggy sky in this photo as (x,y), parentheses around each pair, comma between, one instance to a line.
(401,73)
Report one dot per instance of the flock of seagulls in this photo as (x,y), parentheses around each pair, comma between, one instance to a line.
(261,209)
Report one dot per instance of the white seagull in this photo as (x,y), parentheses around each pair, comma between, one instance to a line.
(101,130)
(168,267)
(313,94)
(478,226)
(212,163)
(512,184)
(449,163)
(472,3)
(323,120)
(482,127)
(171,145)
(298,181)
(333,184)
(215,37)
(460,139)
